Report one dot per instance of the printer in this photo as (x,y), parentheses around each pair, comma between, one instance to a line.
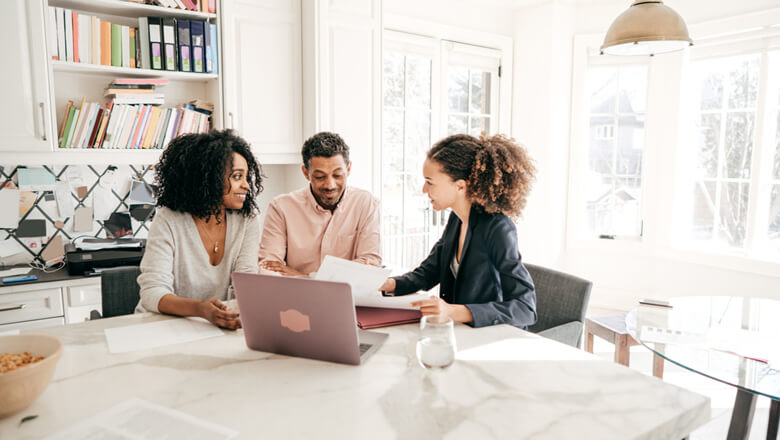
(86,255)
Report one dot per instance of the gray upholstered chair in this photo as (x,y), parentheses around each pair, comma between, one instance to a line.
(119,291)
(561,302)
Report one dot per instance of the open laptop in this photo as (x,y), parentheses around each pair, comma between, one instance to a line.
(302,317)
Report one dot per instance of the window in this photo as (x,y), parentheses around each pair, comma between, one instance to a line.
(727,90)
(406,136)
(736,166)
(612,183)
(431,88)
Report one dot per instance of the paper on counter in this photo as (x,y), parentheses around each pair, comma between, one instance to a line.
(15,271)
(159,334)
(140,419)
(362,278)
(9,332)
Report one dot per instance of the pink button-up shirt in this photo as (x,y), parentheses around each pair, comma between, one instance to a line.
(300,232)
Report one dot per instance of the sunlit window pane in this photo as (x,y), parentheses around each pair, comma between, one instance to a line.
(773,235)
(393,80)
(458,89)
(733,213)
(704,208)
(613,186)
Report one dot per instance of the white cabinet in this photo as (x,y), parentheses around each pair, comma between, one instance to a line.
(25,121)
(29,305)
(80,301)
(262,70)
(343,76)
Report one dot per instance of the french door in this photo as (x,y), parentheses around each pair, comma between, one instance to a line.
(431,89)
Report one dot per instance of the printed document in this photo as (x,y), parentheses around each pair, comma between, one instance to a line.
(159,334)
(365,282)
(140,419)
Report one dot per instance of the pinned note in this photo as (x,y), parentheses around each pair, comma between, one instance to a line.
(35,179)
(9,214)
(26,201)
(82,219)
(65,202)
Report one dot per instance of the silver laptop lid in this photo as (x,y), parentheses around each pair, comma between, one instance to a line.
(298,317)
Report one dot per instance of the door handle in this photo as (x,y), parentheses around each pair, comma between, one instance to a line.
(232,124)
(10,307)
(43,119)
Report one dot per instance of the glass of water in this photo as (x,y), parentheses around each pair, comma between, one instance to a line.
(436,345)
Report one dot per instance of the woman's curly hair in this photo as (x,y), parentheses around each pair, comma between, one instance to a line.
(191,175)
(498,171)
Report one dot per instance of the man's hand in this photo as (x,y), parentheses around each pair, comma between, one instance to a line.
(437,306)
(217,313)
(279,267)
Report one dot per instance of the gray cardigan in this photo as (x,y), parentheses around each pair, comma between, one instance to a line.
(176,261)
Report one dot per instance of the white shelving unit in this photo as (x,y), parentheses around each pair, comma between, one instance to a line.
(52,83)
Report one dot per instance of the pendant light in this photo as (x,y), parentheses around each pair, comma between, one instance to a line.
(647,27)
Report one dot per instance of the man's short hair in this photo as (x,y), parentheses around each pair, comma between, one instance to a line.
(324,144)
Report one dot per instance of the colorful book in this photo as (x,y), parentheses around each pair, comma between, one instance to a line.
(68,123)
(95,39)
(132,47)
(105,43)
(65,120)
(116,45)
(74,18)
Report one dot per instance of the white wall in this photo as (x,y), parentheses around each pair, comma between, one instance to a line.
(467,14)
(540,121)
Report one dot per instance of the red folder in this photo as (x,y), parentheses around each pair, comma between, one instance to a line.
(374,317)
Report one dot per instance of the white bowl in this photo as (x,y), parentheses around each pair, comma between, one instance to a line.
(18,388)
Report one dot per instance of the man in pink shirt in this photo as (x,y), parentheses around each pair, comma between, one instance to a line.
(325,218)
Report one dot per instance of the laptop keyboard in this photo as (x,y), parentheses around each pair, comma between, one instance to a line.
(364,348)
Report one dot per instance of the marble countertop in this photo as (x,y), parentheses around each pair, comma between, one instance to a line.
(506,383)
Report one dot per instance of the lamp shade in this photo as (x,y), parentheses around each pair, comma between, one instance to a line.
(647,27)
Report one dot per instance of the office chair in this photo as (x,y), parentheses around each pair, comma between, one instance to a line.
(119,292)
(561,302)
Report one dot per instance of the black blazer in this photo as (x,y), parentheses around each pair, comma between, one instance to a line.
(492,281)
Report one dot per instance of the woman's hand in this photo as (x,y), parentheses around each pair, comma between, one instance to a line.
(279,267)
(437,306)
(217,313)
(388,285)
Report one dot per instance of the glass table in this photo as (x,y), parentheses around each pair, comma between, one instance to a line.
(733,340)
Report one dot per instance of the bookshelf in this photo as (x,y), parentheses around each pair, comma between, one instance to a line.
(55,82)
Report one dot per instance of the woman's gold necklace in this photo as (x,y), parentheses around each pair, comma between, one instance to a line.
(216,242)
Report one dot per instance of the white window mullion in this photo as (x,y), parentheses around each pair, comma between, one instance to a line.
(758,200)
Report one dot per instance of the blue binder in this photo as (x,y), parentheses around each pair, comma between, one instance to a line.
(198,55)
(185,54)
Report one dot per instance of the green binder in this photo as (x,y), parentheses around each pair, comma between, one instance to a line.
(116,45)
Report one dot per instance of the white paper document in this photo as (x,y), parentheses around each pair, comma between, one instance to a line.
(9,247)
(362,278)
(14,272)
(391,302)
(159,334)
(136,419)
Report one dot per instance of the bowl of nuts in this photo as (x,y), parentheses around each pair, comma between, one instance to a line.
(27,363)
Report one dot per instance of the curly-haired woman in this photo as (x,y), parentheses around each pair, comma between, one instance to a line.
(476,262)
(205,228)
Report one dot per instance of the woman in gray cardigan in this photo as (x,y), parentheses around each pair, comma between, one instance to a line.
(205,228)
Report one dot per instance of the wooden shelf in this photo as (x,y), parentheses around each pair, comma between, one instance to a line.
(128,9)
(99,69)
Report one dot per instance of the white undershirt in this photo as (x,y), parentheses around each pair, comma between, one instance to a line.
(455,265)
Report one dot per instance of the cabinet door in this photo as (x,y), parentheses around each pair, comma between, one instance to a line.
(262,75)
(343,62)
(26,121)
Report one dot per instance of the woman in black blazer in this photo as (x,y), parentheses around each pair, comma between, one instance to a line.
(485,181)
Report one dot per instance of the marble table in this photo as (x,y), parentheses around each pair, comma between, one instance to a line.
(506,383)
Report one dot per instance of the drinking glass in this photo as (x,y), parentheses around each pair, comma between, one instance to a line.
(436,345)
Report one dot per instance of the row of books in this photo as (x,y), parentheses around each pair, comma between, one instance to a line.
(128,126)
(81,38)
(136,91)
(209,6)
(158,43)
